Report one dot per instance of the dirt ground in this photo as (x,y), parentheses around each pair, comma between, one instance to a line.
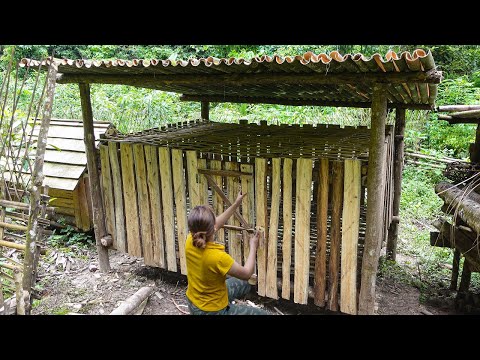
(74,285)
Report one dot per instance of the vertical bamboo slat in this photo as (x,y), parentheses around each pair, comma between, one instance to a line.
(234,243)
(107,190)
(167,206)
(287,227)
(83,205)
(217,199)
(130,196)
(153,180)
(120,235)
(143,204)
(202,185)
(248,205)
(335,234)
(193,185)
(261,211)
(271,279)
(350,228)
(302,229)
(320,277)
(180,205)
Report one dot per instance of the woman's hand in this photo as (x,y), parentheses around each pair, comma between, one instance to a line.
(240,196)
(254,240)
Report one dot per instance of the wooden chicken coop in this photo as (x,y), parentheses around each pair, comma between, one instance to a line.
(326,196)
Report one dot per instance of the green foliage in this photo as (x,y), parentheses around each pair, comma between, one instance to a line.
(68,236)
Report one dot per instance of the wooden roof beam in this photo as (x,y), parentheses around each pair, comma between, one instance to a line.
(158,81)
(292,102)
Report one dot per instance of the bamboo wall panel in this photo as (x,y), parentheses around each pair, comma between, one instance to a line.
(335,235)
(154,192)
(302,229)
(217,199)
(320,277)
(120,235)
(287,227)
(193,179)
(167,204)
(350,229)
(234,242)
(180,205)
(248,206)
(202,184)
(261,212)
(143,204)
(271,279)
(107,192)
(130,197)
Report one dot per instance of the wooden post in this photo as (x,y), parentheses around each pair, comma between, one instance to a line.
(120,236)
(455,269)
(397,181)
(261,221)
(287,227)
(205,112)
(475,150)
(92,165)
(271,279)
(33,234)
(466,277)
(375,197)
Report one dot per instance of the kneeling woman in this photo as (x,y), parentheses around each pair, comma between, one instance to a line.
(209,291)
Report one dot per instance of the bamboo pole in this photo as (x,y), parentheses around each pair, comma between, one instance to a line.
(20,294)
(92,164)
(12,245)
(397,182)
(33,232)
(375,197)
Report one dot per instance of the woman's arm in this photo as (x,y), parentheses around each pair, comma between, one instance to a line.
(245,272)
(223,217)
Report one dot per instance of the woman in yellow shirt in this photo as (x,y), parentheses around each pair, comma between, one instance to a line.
(209,291)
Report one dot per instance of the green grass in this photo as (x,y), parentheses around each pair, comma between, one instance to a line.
(60,311)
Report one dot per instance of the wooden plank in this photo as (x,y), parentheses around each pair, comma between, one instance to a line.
(63,170)
(68,132)
(350,229)
(153,178)
(107,191)
(83,206)
(75,209)
(88,197)
(167,206)
(335,234)
(234,243)
(60,183)
(66,157)
(193,179)
(67,211)
(202,185)
(60,193)
(271,278)
(180,205)
(62,202)
(130,198)
(120,235)
(248,206)
(320,277)
(143,204)
(217,199)
(302,229)
(261,211)
(287,227)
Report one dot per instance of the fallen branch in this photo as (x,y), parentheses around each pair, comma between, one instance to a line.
(133,302)
(178,307)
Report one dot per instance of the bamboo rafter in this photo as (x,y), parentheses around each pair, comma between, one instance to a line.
(252,140)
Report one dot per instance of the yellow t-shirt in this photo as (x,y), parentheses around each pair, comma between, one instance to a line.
(206,274)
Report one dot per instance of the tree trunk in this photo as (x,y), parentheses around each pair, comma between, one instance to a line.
(133,302)
(33,234)
(468,206)
(397,182)
(205,110)
(92,164)
(375,200)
